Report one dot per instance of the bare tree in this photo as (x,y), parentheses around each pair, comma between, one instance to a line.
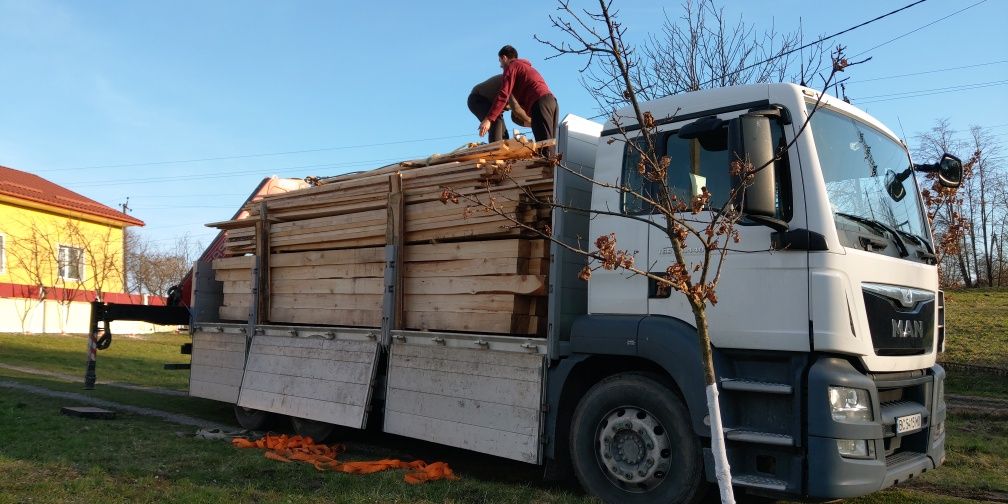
(946,206)
(702,49)
(33,258)
(690,220)
(154,270)
(967,223)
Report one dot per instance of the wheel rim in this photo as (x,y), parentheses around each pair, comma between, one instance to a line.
(632,449)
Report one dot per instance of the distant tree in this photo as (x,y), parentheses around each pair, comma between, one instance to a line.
(153,270)
(700,48)
(968,223)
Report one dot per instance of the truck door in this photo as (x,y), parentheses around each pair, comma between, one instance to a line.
(762,294)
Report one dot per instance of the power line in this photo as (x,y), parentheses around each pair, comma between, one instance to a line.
(928,92)
(217,175)
(246,156)
(819,41)
(929,71)
(918,29)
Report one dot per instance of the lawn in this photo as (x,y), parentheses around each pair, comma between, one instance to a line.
(46,457)
(977,327)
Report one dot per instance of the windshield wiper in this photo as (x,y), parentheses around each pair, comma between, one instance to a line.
(881,228)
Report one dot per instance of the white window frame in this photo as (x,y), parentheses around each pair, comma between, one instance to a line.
(62,263)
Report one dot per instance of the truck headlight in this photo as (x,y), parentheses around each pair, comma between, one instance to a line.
(850,404)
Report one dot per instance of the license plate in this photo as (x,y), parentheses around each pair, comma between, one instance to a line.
(908,423)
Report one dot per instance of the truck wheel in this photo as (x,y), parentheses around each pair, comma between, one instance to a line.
(631,441)
(318,431)
(253,419)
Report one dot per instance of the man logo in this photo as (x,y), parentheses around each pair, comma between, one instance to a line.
(907,329)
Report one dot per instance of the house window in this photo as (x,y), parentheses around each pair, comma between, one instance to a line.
(71,262)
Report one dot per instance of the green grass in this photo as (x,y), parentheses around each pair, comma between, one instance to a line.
(47,457)
(138,360)
(977,327)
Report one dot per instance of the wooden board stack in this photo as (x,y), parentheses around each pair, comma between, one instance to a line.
(465,268)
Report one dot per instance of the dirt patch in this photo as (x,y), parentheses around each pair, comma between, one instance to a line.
(977,405)
(136,410)
(962,493)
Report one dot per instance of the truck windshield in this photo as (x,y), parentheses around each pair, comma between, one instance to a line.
(857,161)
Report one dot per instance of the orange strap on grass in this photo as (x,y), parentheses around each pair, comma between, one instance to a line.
(284,448)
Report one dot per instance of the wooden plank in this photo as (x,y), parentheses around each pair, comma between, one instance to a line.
(329,301)
(513,247)
(489,322)
(490,284)
(468,267)
(329,257)
(466,302)
(362,270)
(329,286)
(241,262)
(358,318)
(329,245)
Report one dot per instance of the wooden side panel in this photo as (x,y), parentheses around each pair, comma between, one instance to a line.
(481,400)
(218,359)
(313,378)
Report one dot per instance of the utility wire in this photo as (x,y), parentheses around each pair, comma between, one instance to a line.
(929,71)
(911,94)
(918,29)
(246,156)
(819,41)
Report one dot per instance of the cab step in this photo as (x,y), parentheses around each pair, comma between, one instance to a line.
(766,438)
(761,482)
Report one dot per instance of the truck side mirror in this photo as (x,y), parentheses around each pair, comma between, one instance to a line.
(750,140)
(948,168)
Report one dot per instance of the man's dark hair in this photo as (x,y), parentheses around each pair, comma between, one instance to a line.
(508,51)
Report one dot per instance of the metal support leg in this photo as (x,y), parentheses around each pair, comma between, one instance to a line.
(89,375)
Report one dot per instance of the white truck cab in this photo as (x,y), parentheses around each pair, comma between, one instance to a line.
(827,326)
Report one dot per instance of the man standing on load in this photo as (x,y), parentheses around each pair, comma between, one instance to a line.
(482,97)
(531,93)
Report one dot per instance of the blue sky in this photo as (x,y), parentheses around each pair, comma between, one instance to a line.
(104,96)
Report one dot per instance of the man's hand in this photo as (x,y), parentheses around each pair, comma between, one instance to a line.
(484,127)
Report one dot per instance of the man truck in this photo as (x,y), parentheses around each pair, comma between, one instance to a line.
(824,338)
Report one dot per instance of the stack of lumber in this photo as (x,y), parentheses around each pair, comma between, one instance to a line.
(464,266)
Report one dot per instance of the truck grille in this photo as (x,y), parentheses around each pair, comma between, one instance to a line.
(901,320)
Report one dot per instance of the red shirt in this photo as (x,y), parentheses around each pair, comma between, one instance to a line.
(524,82)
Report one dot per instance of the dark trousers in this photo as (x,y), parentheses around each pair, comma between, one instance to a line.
(544,121)
(479,106)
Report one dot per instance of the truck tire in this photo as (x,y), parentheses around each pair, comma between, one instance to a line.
(253,419)
(631,441)
(318,431)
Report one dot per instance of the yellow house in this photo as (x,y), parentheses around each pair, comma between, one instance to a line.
(59,250)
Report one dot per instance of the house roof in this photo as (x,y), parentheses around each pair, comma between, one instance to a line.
(29,187)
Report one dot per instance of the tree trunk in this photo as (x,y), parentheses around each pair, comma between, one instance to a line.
(721,467)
